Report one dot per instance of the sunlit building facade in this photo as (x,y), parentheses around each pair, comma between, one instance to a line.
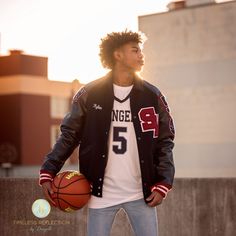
(191,57)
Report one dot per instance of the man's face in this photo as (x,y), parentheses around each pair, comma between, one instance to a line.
(130,57)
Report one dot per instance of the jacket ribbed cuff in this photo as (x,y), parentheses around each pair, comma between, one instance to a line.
(161,188)
(45,176)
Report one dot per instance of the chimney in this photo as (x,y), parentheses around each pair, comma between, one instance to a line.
(176,5)
(191,3)
(16,52)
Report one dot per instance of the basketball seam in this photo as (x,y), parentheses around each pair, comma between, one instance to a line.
(68,204)
(58,189)
(74,193)
(70,183)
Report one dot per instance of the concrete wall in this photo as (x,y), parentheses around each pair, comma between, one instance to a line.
(191,57)
(195,207)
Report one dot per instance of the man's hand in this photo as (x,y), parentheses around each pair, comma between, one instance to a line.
(48,192)
(154,199)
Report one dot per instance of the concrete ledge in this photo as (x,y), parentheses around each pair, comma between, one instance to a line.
(194,207)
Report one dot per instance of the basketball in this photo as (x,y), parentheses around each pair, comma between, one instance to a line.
(71,191)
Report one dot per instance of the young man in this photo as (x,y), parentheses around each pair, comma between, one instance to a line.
(125,134)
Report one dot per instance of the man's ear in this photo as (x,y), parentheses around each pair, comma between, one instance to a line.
(117,55)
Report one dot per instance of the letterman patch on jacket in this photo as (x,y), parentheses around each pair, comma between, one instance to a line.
(149,120)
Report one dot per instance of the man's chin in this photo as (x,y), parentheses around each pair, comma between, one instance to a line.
(139,69)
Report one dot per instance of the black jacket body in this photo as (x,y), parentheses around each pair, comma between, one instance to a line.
(88,123)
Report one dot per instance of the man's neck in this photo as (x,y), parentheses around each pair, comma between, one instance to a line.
(122,77)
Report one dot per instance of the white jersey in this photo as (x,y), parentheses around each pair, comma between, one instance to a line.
(122,180)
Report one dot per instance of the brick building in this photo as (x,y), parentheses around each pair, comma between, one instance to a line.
(31,108)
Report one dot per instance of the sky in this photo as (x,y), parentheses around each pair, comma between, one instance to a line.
(68,32)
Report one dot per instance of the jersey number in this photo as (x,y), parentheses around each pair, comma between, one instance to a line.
(117,137)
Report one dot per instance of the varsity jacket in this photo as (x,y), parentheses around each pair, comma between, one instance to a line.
(87,126)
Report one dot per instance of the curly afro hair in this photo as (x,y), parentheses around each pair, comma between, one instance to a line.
(115,40)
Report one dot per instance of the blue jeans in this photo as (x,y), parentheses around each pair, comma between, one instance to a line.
(143,219)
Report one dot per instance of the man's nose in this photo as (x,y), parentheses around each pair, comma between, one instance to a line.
(141,55)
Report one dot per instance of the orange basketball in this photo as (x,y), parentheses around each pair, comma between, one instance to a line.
(71,190)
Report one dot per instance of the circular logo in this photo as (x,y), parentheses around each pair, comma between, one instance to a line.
(41,208)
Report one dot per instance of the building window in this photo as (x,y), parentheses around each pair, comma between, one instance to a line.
(59,106)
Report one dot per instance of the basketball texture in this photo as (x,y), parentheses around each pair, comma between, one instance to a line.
(71,190)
